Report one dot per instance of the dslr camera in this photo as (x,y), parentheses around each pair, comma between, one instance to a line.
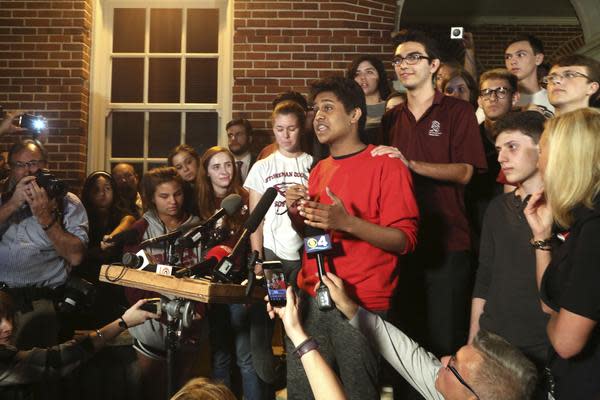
(54,187)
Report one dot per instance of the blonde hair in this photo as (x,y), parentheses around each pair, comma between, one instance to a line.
(203,389)
(572,174)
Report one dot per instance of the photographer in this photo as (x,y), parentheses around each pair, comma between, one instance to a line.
(43,233)
(23,367)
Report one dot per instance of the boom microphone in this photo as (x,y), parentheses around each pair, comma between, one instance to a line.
(223,271)
(161,238)
(229,206)
(129,236)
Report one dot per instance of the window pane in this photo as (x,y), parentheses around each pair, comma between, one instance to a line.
(128,134)
(201,80)
(128,31)
(163,83)
(203,31)
(127,80)
(201,130)
(165,128)
(165,30)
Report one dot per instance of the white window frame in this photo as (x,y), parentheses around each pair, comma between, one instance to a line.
(99,144)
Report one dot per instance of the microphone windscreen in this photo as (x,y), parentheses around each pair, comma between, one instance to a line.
(260,210)
(129,236)
(219,252)
(131,260)
(312,231)
(232,204)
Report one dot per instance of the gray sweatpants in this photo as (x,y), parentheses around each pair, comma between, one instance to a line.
(343,347)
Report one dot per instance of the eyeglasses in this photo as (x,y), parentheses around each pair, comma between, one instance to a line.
(567,75)
(29,164)
(500,92)
(410,59)
(457,375)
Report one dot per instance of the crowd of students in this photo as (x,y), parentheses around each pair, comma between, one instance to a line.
(470,200)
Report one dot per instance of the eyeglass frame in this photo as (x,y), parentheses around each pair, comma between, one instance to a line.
(489,93)
(28,164)
(551,78)
(460,378)
(398,60)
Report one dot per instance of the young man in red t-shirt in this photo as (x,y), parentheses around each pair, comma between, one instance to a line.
(367,206)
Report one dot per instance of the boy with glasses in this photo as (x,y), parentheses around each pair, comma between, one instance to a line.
(573,83)
(437,137)
(497,96)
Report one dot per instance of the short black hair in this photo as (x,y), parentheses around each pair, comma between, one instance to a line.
(529,123)
(431,46)
(241,121)
(535,43)
(349,93)
(294,96)
(383,85)
(23,144)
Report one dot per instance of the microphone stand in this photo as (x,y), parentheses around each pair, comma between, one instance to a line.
(252,261)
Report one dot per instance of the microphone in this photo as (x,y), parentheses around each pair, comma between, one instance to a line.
(213,256)
(229,206)
(129,236)
(141,261)
(223,271)
(317,242)
(161,238)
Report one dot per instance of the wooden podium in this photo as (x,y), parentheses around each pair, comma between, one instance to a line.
(202,290)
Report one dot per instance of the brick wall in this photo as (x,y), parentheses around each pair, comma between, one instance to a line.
(283,45)
(44,68)
(490,41)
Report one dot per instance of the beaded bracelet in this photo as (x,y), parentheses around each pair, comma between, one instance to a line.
(99,334)
(545,245)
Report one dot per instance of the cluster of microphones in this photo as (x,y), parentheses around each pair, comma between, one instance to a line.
(221,262)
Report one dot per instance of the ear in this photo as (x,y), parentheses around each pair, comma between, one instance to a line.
(434,66)
(593,88)
(356,114)
(539,58)
(479,102)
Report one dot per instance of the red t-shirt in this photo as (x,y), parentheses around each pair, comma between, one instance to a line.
(375,189)
(446,133)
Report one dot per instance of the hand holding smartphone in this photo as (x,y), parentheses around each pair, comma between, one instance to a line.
(276,285)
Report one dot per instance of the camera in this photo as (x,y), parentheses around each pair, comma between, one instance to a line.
(78,294)
(456,32)
(54,187)
(33,123)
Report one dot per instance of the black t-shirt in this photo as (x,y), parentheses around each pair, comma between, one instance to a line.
(572,282)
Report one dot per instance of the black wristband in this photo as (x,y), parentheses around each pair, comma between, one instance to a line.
(306,346)
(122,323)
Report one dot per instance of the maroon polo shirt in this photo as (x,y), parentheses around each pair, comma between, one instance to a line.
(446,133)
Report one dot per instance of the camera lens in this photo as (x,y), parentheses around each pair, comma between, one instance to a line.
(456,32)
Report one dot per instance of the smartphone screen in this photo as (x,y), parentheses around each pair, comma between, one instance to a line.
(276,285)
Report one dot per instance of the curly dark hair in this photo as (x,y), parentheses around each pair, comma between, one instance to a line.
(383,84)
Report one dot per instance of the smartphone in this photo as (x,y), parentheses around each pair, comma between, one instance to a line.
(276,285)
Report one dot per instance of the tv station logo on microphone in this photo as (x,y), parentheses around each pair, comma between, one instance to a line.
(315,244)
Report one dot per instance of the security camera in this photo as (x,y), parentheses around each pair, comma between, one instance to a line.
(456,32)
